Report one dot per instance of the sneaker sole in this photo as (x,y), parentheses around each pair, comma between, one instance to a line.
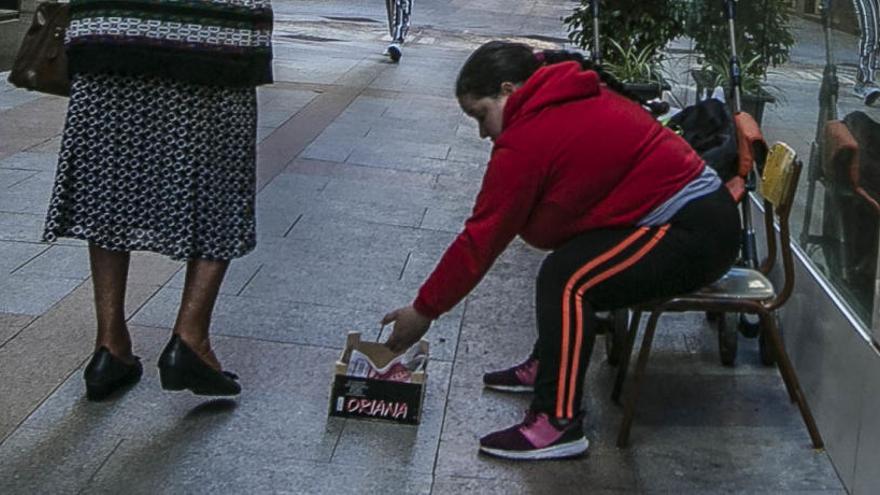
(561,451)
(518,389)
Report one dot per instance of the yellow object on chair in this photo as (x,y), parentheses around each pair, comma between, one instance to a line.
(778,172)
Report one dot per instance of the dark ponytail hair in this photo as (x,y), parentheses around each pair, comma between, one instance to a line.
(496,62)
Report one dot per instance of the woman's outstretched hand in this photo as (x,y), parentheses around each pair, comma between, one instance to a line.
(409,327)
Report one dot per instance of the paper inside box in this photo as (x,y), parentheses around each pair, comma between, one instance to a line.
(379,355)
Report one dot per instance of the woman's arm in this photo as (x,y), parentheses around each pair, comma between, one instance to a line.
(511,188)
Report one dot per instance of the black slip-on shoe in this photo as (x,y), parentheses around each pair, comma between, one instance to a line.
(106,374)
(180,368)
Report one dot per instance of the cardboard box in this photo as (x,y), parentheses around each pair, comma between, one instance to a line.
(356,397)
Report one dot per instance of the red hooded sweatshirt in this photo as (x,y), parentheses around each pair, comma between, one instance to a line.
(572,156)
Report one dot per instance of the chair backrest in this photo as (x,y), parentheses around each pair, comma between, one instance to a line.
(778,185)
(779,180)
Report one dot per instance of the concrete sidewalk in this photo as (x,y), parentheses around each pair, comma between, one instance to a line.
(366,172)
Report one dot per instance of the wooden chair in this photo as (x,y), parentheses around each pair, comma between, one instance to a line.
(741,290)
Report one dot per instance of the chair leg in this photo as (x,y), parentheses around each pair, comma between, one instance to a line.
(626,354)
(764,322)
(644,352)
(790,379)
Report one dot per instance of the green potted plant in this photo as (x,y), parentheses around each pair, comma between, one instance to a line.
(640,73)
(763,39)
(632,35)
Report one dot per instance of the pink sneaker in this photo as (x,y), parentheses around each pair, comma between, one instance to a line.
(537,437)
(520,378)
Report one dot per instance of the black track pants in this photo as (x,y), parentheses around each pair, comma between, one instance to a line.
(609,269)
(399,12)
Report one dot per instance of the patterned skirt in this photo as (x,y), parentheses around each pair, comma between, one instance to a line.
(159,165)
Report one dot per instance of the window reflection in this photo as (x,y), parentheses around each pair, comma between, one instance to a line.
(822,113)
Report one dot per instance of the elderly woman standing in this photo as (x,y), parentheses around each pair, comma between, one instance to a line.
(159,154)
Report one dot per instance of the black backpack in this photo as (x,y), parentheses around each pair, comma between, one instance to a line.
(708,127)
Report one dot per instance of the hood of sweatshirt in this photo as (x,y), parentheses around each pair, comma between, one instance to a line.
(550,86)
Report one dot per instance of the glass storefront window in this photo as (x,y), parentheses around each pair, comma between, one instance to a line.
(835,131)
(837,135)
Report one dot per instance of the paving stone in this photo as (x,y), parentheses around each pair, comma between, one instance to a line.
(344,236)
(10,177)
(320,283)
(868,455)
(375,202)
(370,105)
(56,460)
(43,355)
(21,226)
(290,192)
(272,223)
(276,98)
(537,485)
(328,149)
(274,117)
(261,472)
(239,273)
(13,255)
(385,159)
(680,400)
(28,196)
(401,147)
(58,262)
(31,160)
(362,174)
(734,458)
(263,133)
(148,268)
(14,98)
(746,492)
(328,69)
(11,324)
(465,153)
(6,429)
(447,218)
(390,134)
(285,393)
(33,295)
(52,146)
(270,320)
(342,132)
(278,422)
(290,139)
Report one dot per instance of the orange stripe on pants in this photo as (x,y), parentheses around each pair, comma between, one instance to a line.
(579,324)
(563,366)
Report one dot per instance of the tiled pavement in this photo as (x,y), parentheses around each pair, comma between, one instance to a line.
(366,171)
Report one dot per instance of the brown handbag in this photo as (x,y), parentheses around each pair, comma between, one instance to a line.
(41,64)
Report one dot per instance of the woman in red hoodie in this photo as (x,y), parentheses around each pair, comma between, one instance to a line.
(628,210)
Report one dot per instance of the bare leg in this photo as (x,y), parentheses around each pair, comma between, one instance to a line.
(203,279)
(109,276)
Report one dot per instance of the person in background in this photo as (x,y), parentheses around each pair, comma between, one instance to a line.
(627,209)
(159,154)
(868,14)
(399,12)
